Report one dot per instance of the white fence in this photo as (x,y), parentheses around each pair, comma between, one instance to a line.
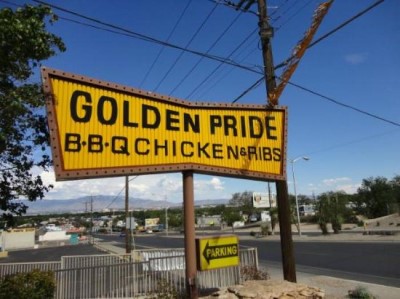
(126,276)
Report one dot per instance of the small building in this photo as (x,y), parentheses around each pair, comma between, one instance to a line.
(209,221)
(306,210)
(21,238)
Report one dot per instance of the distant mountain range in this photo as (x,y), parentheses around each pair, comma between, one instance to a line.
(100,203)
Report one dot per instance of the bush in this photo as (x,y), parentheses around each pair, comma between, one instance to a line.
(166,291)
(33,285)
(252,273)
(360,293)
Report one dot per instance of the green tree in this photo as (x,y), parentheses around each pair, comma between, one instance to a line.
(243,200)
(331,208)
(231,215)
(395,184)
(376,197)
(24,43)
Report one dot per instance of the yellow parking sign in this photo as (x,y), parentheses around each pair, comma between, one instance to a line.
(217,252)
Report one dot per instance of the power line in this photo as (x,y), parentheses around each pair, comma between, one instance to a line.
(133,34)
(168,38)
(219,66)
(115,198)
(291,17)
(208,50)
(337,28)
(344,144)
(224,75)
(343,104)
(147,38)
(187,45)
(254,85)
(232,5)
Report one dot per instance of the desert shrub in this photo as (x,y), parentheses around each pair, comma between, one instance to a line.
(360,293)
(252,273)
(266,229)
(33,285)
(165,290)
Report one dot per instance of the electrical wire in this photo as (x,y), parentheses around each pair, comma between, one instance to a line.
(208,51)
(278,9)
(337,28)
(168,38)
(223,75)
(126,32)
(115,198)
(220,65)
(254,85)
(119,193)
(343,104)
(187,45)
(344,144)
(250,69)
(294,14)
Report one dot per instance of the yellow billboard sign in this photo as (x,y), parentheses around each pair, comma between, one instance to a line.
(101,129)
(217,252)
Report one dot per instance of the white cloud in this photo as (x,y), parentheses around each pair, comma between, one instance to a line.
(349,189)
(356,58)
(217,184)
(335,181)
(156,187)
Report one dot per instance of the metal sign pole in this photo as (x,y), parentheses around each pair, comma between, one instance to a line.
(190,243)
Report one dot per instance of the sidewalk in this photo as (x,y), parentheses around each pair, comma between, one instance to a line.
(334,288)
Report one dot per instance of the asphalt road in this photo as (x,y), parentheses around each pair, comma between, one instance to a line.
(375,262)
(49,254)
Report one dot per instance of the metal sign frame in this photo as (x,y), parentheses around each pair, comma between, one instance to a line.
(55,97)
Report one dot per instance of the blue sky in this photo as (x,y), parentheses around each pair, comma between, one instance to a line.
(358,66)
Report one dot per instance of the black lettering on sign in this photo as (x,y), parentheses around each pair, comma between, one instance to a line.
(95,143)
(101,110)
(85,109)
(215,122)
(147,111)
(72,142)
(158,146)
(270,128)
(217,151)
(119,145)
(188,121)
(255,127)
(142,146)
(172,120)
(126,119)
(187,149)
(230,125)
(220,251)
(277,154)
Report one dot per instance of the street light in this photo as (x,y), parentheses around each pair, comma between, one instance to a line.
(294,186)
(128,232)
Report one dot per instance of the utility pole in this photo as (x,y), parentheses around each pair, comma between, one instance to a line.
(127,231)
(91,219)
(288,260)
